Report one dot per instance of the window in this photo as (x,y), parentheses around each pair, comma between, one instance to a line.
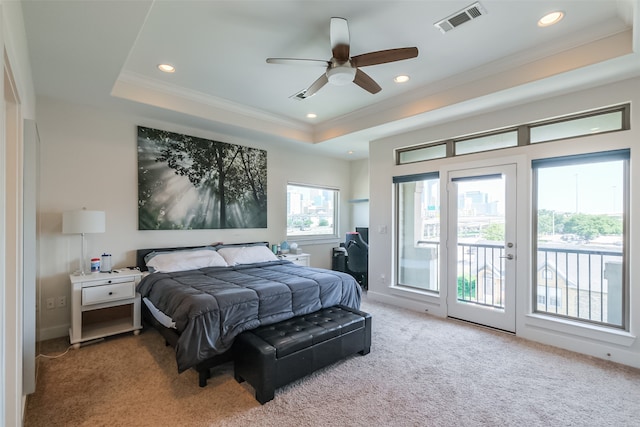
(312,211)
(418,223)
(419,154)
(554,301)
(487,142)
(589,125)
(611,119)
(580,216)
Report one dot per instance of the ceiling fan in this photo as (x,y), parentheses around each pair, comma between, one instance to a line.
(342,69)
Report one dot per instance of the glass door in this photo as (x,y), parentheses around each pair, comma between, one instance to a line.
(481,245)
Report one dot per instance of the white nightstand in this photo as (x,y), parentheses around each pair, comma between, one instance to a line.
(104,304)
(300,259)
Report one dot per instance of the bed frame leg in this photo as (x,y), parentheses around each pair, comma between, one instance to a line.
(203,376)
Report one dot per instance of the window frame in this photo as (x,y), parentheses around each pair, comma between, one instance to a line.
(588,158)
(625,123)
(397,181)
(484,135)
(523,133)
(336,213)
(447,148)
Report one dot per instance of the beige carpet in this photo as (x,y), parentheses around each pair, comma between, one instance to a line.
(422,371)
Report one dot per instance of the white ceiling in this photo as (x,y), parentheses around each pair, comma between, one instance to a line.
(105,54)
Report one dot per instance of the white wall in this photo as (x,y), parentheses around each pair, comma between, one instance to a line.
(359,193)
(15,106)
(89,159)
(622,347)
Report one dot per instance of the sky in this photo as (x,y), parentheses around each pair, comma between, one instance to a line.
(598,187)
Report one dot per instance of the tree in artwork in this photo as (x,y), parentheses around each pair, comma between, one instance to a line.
(186,182)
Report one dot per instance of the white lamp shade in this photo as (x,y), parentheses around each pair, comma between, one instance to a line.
(83,221)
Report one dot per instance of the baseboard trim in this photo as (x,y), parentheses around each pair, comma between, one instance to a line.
(53,332)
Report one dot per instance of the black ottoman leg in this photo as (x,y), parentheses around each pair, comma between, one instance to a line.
(367,334)
(263,396)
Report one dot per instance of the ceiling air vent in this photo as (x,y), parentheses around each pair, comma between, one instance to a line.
(460,17)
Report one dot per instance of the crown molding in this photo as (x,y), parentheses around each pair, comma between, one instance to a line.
(138,88)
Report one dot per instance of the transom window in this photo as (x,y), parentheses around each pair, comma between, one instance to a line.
(584,124)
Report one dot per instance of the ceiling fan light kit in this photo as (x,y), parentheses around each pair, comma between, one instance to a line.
(342,69)
(341,75)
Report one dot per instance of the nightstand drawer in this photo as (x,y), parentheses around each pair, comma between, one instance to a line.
(112,279)
(300,259)
(105,293)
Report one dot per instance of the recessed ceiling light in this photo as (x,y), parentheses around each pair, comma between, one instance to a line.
(350,152)
(167,68)
(550,18)
(401,79)
(312,116)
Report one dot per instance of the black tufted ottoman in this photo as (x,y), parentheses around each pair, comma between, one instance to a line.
(271,356)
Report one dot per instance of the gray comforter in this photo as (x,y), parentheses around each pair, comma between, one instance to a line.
(211,306)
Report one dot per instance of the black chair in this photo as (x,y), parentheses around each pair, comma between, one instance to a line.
(357,258)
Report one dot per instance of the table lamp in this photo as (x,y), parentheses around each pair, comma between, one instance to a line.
(82,221)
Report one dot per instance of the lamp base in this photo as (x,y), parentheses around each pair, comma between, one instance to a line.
(83,257)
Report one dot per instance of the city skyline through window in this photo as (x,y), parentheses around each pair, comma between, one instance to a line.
(311,211)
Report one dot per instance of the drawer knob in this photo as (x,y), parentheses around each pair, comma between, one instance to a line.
(110,293)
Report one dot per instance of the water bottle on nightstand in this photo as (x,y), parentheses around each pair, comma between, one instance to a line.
(105,264)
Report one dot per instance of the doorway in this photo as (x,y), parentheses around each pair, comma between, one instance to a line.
(481,246)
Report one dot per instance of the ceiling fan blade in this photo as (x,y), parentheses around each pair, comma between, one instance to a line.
(339,34)
(384,56)
(296,61)
(316,86)
(365,82)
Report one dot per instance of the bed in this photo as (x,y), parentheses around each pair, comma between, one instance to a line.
(201,298)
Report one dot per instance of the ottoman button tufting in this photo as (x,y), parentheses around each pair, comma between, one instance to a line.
(301,346)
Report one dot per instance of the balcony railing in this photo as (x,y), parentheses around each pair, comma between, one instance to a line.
(574,282)
(481,274)
(581,283)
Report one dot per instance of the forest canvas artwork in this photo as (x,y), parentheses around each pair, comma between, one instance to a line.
(185,182)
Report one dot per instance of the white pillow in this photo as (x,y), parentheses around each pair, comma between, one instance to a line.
(247,254)
(185,260)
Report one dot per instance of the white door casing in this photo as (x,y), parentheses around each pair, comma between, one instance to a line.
(481,273)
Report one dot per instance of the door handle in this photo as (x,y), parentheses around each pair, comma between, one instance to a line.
(509,256)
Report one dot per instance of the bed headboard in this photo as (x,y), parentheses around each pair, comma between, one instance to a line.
(141,253)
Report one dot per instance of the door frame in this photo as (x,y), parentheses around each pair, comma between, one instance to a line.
(501,319)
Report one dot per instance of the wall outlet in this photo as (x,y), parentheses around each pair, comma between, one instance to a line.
(51,303)
(62,301)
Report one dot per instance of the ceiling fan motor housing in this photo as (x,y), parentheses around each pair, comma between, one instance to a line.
(342,74)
